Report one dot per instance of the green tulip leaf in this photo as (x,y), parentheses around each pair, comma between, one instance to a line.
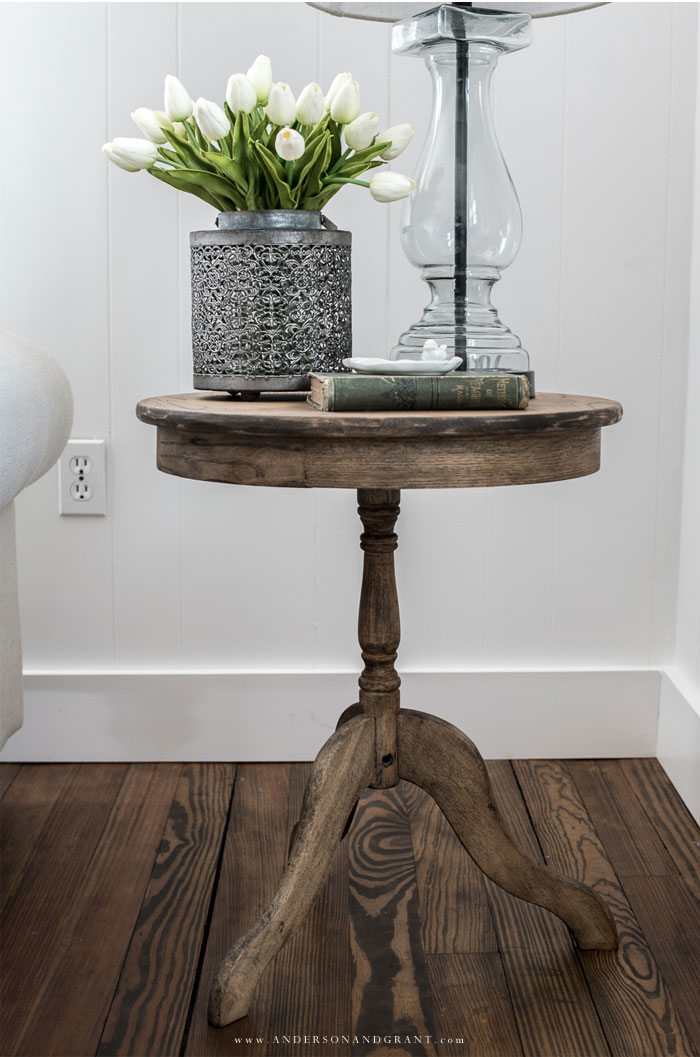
(358,161)
(211,187)
(230,169)
(350,170)
(334,129)
(318,129)
(258,131)
(319,201)
(275,180)
(311,147)
(241,135)
(369,152)
(170,176)
(188,155)
(170,155)
(309,179)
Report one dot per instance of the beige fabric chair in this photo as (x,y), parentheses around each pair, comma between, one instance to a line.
(36,414)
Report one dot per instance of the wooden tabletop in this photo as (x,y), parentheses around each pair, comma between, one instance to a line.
(210,436)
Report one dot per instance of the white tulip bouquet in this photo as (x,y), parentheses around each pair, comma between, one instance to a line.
(265,149)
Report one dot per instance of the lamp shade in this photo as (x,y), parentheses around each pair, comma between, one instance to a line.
(395,12)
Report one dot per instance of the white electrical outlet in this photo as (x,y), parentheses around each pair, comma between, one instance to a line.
(81,478)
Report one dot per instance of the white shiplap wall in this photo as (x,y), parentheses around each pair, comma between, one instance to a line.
(187,576)
(679,718)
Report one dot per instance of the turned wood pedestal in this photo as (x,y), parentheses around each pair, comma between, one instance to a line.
(210,437)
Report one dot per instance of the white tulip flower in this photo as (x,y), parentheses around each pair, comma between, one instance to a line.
(400,136)
(281,106)
(109,152)
(346,103)
(289,144)
(311,105)
(260,76)
(177,103)
(131,154)
(390,186)
(337,83)
(360,132)
(240,94)
(150,123)
(211,119)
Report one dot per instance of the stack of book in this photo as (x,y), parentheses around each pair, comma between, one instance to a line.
(458,391)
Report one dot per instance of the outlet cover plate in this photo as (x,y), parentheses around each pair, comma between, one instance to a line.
(81,478)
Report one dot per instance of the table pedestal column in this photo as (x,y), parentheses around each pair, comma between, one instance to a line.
(379,627)
(376,744)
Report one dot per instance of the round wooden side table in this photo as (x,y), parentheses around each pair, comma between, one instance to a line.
(213,438)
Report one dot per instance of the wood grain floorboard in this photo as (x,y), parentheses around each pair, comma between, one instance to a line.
(455,915)
(391,989)
(8,773)
(636,1009)
(472,1007)
(24,812)
(630,840)
(149,1009)
(551,1000)
(669,915)
(254,855)
(82,972)
(673,822)
(115,872)
(35,916)
(306,994)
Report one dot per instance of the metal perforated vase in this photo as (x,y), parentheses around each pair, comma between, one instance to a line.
(270,300)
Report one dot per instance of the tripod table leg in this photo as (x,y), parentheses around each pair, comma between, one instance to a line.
(342,771)
(443,761)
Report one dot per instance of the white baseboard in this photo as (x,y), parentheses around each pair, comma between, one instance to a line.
(678,745)
(133,716)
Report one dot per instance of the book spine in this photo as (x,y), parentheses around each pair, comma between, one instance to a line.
(444,393)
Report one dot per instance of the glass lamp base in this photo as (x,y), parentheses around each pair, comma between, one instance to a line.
(477,357)
(470,329)
(462,226)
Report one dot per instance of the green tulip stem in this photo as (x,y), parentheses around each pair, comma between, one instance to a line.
(340,180)
(190,135)
(340,161)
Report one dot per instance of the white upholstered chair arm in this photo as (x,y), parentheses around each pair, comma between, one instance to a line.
(36,414)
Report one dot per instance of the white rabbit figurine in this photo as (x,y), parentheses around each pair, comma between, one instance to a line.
(433,351)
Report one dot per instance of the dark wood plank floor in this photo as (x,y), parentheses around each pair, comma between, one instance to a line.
(123,885)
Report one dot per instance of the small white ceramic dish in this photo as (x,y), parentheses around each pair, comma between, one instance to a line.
(368,365)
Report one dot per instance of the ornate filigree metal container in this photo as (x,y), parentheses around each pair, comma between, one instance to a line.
(270,300)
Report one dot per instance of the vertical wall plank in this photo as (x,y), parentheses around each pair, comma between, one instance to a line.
(676,758)
(676,366)
(248,553)
(440,627)
(54,291)
(144,250)
(615,228)
(529,104)
(443,614)
(361,48)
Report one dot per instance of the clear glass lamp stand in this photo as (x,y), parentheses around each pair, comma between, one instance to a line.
(462,224)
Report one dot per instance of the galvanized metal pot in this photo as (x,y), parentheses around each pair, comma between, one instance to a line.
(270,300)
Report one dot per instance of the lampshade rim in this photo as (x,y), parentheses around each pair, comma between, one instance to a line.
(353,10)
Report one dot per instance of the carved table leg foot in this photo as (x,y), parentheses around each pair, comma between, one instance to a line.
(443,761)
(342,771)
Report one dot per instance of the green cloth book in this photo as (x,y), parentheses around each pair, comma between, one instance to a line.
(458,391)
